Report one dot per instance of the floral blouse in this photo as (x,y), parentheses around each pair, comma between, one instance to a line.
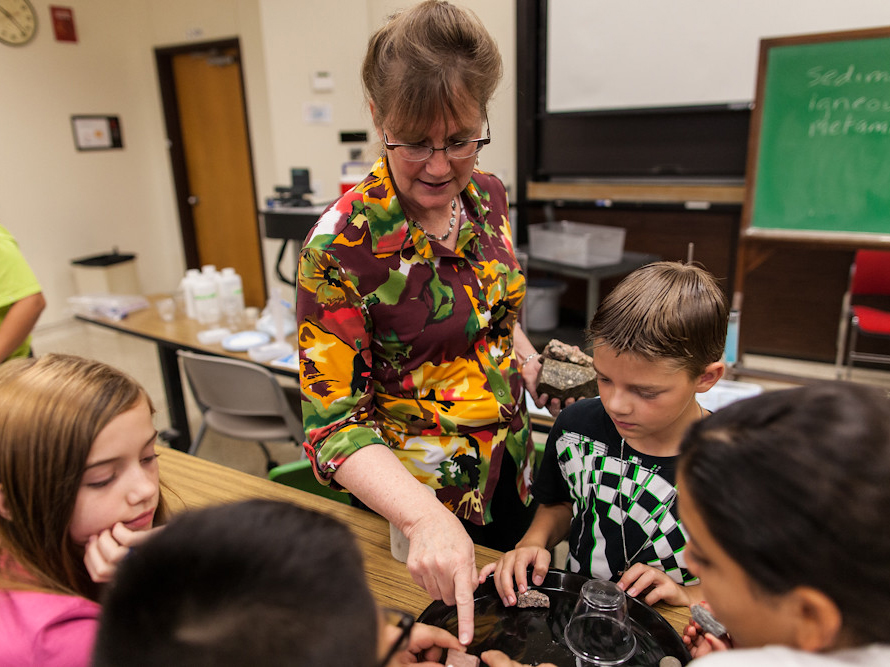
(410,345)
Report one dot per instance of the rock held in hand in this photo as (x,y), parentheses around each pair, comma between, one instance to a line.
(563,380)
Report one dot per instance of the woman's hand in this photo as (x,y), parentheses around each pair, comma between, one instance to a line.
(104,551)
(442,560)
(656,584)
(426,646)
(441,556)
(514,564)
(498,659)
(531,371)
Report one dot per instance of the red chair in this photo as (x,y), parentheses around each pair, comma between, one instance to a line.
(869,281)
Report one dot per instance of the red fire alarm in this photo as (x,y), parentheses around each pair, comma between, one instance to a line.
(63,23)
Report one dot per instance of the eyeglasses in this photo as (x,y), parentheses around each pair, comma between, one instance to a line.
(404,622)
(460,150)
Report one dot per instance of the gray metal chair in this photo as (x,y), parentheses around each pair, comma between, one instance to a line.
(241,400)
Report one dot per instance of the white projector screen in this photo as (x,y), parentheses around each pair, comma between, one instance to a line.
(632,54)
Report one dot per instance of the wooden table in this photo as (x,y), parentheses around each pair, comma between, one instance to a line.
(191,482)
(180,334)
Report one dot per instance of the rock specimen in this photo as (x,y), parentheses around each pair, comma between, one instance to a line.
(532,598)
(566,372)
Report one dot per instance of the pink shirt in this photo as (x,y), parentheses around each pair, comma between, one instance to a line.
(47,630)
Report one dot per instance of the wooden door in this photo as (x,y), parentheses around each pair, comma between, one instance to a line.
(218,178)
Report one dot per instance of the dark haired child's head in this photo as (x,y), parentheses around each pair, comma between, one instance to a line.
(785,497)
(60,416)
(657,341)
(258,582)
(664,311)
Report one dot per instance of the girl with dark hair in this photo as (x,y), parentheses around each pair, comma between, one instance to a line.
(785,498)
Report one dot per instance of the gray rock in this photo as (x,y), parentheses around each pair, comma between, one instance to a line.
(562,380)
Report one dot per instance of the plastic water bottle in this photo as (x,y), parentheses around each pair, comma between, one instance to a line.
(231,295)
(731,351)
(206,301)
(187,287)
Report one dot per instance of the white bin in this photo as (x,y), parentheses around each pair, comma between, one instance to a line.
(576,243)
(542,303)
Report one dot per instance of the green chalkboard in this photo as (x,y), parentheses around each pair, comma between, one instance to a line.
(819,149)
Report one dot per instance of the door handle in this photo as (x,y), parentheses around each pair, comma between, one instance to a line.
(193,200)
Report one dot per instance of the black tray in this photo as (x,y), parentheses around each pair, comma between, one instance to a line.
(533,636)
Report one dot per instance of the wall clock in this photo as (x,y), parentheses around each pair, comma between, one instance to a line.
(18,22)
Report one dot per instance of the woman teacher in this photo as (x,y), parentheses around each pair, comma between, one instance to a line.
(412,363)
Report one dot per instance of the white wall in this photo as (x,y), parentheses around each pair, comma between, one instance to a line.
(62,204)
(302,38)
(612,54)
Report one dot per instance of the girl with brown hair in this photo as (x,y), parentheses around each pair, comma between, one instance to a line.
(79,487)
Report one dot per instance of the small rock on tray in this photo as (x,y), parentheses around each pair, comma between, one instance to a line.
(457,658)
(532,598)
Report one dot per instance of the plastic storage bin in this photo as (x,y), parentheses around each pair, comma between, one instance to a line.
(576,243)
(542,303)
(111,273)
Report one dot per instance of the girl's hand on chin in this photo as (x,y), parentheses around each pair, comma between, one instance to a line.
(104,551)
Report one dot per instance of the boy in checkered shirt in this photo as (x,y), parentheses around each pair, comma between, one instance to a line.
(607,479)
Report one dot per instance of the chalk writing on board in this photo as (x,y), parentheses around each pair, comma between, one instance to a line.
(842,115)
(819,76)
(822,123)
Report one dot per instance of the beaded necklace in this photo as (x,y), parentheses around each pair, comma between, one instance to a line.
(451,222)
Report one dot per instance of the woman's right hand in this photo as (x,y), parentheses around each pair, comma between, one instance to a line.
(442,559)
(514,564)
(441,556)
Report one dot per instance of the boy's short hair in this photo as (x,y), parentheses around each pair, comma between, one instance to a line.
(665,310)
(253,583)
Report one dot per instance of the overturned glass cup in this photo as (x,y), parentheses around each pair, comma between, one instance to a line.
(599,632)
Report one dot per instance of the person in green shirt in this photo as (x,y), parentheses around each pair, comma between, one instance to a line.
(21,300)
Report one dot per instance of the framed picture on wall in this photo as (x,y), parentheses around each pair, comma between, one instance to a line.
(96,133)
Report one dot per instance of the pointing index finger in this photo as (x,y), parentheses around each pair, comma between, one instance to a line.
(463,595)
